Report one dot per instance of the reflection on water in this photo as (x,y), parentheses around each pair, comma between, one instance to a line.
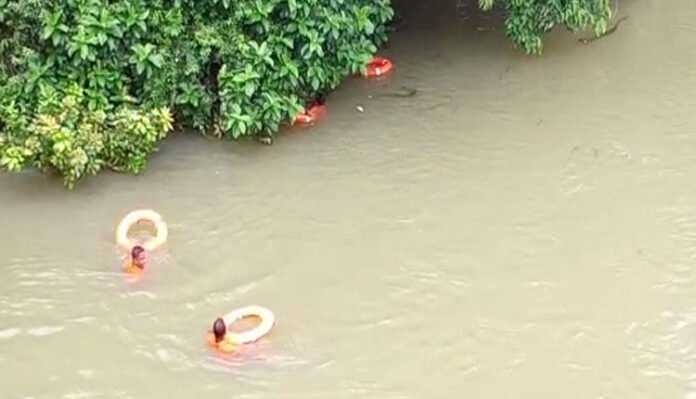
(522,227)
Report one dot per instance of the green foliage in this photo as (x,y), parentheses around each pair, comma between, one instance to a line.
(527,20)
(65,136)
(87,84)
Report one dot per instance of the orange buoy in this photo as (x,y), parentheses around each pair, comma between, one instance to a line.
(310,115)
(379,66)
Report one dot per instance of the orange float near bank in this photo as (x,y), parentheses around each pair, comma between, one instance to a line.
(379,66)
(311,115)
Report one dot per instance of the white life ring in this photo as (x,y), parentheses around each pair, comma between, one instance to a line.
(267,323)
(139,216)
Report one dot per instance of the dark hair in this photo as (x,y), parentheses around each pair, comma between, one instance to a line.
(219,329)
(137,251)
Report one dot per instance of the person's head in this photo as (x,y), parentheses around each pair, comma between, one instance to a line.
(219,329)
(138,256)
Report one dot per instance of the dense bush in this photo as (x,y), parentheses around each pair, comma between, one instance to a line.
(527,20)
(87,84)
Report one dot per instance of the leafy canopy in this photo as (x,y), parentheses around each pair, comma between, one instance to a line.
(87,84)
(93,84)
(527,20)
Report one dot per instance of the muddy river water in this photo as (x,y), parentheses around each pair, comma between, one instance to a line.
(521,228)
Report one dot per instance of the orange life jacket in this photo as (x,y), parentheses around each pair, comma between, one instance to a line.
(223,346)
(131,268)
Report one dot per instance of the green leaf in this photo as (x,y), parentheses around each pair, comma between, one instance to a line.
(84,51)
(249,88)
(157,60)
(240,130)
(369,27)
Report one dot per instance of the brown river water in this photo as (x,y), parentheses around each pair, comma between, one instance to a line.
(521,228)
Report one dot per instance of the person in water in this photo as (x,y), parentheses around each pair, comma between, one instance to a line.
(219,330)
(137,260)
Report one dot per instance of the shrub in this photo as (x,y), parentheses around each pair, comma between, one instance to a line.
(65,136)
(88,84)
(527,20)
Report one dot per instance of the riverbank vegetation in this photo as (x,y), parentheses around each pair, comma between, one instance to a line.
(526,21)
(88,84)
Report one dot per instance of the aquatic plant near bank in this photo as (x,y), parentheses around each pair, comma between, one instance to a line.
(88,84)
